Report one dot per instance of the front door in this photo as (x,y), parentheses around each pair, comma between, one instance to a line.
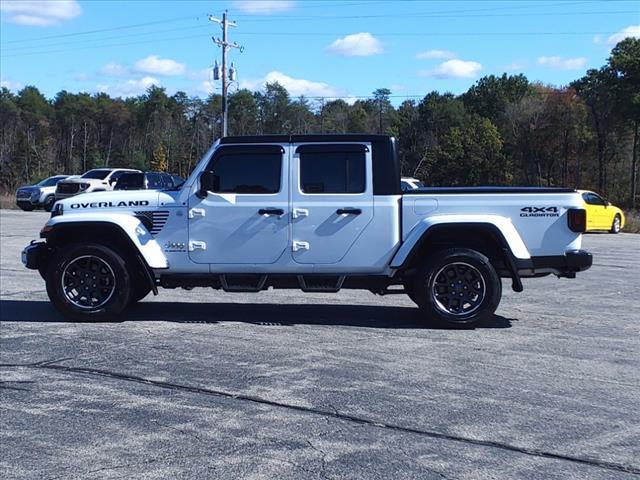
(245,219)
(596,212)
(332,200)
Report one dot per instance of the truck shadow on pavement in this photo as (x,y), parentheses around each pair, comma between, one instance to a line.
(365,316)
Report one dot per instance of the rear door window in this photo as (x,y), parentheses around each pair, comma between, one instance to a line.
(333,171)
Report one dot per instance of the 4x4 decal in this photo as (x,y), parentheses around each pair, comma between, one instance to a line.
(539,212)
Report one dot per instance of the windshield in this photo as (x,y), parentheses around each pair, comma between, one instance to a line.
(97,174)
(50,182)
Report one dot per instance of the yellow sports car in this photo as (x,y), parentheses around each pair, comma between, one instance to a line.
(601,215)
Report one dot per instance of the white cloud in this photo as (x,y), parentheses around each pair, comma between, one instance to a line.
(39,13)
(632,31)
(114,69)
(129,88)
(295,86)
(206,86)
(431,54)
(13,86)
(203,74)
(563,63)
(516,66)
(453,69)
(160,66)
(597,39)
(263,7)
(356,45)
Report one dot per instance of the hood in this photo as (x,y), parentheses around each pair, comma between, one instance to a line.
(81,180)
(29,188)
(115,200)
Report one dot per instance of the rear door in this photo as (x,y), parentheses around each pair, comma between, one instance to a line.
(245,220)
(331,199)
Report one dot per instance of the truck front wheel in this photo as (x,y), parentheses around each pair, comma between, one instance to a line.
(457,288)
(88,282)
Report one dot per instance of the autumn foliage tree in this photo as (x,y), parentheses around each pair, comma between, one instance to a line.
(505,130)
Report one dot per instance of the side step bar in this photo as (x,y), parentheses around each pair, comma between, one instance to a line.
(242,283)
(321,283)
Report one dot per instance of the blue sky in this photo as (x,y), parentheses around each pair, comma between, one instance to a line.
(319,48)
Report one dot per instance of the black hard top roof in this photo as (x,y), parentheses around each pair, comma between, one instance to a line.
(352,137)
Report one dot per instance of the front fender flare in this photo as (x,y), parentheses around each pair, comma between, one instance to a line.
(497,224)
(130,226)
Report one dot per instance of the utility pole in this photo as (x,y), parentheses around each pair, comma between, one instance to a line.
(224,23)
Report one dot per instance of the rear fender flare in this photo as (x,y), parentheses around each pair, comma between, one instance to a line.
(501,227)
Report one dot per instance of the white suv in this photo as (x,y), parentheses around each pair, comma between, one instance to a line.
(97,180)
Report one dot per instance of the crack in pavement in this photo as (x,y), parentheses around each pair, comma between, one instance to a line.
(534,452)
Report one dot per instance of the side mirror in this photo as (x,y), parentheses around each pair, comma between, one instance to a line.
(209,182)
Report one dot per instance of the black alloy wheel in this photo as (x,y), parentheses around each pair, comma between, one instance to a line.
(457,288)
(88,282)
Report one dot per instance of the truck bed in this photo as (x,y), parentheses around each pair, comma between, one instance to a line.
(475,190)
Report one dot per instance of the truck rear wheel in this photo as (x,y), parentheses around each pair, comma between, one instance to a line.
(88,282)
(457,288)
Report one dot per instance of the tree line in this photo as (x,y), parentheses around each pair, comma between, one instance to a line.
(505,130)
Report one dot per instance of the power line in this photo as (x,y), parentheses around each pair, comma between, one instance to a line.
(426,34)
(102,39)
(101,30)
(430,15)
(321,34)
(487,9)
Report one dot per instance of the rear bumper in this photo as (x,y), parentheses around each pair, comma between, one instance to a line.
(33,253)
(566,265)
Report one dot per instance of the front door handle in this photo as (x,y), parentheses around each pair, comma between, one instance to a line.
(348,211)
(271,211)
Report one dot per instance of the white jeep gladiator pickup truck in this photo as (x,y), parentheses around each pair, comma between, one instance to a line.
(314,212)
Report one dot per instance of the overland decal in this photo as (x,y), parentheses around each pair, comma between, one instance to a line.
(130,203)
(539,212)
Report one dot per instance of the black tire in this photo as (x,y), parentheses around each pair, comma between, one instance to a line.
(140,290)
(410,288)
(75,264)
(473,278)
(615,226)
(48,203)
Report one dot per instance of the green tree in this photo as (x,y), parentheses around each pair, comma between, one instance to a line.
(599,90)
(274,108)
(469,154)
(625,63)
(490,95)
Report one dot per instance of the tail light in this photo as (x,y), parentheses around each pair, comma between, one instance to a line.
(577,219)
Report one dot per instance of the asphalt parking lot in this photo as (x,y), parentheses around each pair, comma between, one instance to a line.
(203,384)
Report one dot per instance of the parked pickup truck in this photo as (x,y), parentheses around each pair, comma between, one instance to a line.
(97,180)
(314,212)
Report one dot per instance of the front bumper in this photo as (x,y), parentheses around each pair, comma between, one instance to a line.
(33,253)
(62,196)
(566,265)
(26,202)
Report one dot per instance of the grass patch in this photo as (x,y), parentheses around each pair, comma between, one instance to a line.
(8,201)
(632,224)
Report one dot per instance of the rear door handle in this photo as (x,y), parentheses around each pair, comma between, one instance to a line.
(348,211)
(271,211)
